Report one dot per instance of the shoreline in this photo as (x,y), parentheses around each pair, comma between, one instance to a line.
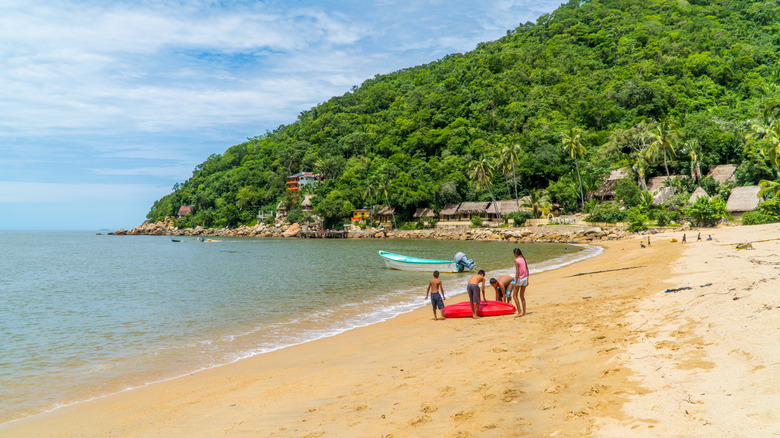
(587,251)
(577,365)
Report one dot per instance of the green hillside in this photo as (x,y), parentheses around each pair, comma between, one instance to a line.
(615,71)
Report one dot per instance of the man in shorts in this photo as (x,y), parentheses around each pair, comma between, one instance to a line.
(473,289)
(437,299)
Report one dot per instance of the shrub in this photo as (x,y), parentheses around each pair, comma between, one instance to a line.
(519,217)
(756,217)
(662,218)
(476,222)
(610,213)
(636,220)
(707,211)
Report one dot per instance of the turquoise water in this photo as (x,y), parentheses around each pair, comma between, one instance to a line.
(85,315)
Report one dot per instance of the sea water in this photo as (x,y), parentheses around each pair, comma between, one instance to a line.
(84,315)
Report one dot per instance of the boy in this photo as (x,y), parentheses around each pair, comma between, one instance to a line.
(437,300)
(502,286)
(473,290)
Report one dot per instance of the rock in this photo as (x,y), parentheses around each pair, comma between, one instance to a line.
(292,231)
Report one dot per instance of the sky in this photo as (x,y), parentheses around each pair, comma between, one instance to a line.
(105,105)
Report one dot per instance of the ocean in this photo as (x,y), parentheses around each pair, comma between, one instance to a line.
(84,315)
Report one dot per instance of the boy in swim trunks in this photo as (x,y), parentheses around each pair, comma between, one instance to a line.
(473,290)
(502,286)
(437,300)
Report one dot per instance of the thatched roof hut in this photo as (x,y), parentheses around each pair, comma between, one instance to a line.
(607,189)
(384,211)
(424,213)
(306,204)
(449,211)
(662,195)
(659,182)
(473,207)
(723,172)
(506,206)
(698,193)
(743,199)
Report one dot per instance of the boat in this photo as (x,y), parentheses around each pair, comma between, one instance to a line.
(486,308)
(459,263)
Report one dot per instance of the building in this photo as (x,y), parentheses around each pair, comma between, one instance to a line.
(184,210)
(302,179)
(743,199)
(424,214)
(507,206)
(606,192)
(723,173)
(698,193)
(359,214)
(384,215)
(661,190)
(449,213)
(468,210)
(306,205)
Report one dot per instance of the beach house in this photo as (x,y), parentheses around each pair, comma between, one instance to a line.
(184,210)
(424,215)
(742,200)
(449,213)
(384,215)
(302,179)
(606,192)
(468,210)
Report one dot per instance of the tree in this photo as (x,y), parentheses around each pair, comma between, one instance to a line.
(769,189)
(538,202)
(693,149)
(572,146)
(510,155)
(707,211)
(384,188)
(664,141)
(767,135)
(482,172)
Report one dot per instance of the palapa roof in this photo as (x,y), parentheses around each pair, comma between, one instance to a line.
(743,199)
(658,182)
(473,207)
(306,203)
(506,206)
(449,210)
(281,206)
(723,172)
(607,188)
(384,211)
(424,212)
(662,195)
(698,193)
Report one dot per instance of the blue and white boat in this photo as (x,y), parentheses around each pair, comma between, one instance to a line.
(459,263)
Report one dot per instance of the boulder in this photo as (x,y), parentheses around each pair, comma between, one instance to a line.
(293,230)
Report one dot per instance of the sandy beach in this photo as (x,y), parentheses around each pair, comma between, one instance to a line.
(604,351)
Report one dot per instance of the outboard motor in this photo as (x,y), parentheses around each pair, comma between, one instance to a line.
(464,262)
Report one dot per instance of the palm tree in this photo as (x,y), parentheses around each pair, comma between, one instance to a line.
(482,172)
(384,187)
(510,155)
(768,134)
(538,202)
(769,189)
(572,146)
(694,150)
(369,195)
(664,141)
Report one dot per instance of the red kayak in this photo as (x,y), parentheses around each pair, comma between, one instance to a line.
(486,308)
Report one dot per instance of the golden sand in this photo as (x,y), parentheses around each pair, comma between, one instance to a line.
(603,352)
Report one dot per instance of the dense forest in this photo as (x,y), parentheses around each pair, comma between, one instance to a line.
(657,86)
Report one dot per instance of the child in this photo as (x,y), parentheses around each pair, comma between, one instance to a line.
(437,300)
(473,290)
(521,281)
(502,286)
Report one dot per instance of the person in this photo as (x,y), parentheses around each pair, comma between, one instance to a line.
(502,285)
(521,281)
(709,237)
(641,245)
(648,241)
(698,238)
(683,241)
(437,299)
(473,289)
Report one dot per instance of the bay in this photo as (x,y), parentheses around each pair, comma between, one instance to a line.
(85,315)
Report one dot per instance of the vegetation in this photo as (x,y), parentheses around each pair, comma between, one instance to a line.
(659,86)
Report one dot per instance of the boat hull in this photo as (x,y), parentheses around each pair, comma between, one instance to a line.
(406,263)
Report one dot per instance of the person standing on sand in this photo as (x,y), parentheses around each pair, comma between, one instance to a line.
(521,281)
(648,241)
(473,290)
(683,240)
(502,285)
(437,300)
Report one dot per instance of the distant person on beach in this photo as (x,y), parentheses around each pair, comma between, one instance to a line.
(437,299)
(521,281)
(709,237)
(683,241)
(698,238)
(473,289)
(648,240)
(502,285)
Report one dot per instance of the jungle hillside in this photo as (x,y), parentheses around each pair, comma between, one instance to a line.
(661,87)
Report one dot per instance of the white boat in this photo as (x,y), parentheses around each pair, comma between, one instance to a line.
(406,263)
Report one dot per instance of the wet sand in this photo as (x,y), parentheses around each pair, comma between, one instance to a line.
(603,352)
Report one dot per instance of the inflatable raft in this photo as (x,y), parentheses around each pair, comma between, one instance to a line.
(486,308)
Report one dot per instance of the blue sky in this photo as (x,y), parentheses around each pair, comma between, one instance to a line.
(105,105)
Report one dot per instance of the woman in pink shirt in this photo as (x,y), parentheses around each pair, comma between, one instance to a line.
(521,281)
